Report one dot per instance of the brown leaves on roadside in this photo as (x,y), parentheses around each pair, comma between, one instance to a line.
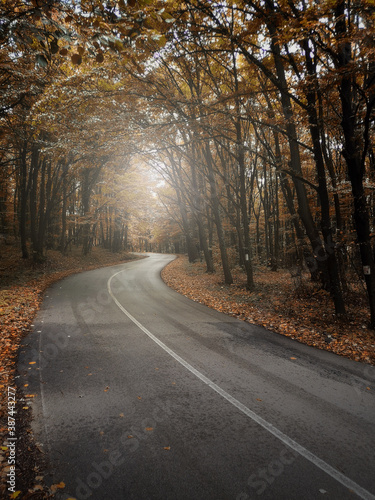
(304,314)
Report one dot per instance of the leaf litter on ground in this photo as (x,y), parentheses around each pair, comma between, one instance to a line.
(298,309)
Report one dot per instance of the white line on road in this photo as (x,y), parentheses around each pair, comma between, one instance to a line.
(324,466)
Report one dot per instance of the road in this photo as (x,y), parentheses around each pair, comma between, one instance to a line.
(141,393)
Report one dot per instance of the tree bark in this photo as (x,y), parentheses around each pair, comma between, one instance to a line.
(353,154)
(217,217)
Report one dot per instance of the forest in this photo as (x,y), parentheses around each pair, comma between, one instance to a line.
(238,132)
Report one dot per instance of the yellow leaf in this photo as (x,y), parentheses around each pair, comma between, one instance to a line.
(167,447)
(58,486)
(293,358)
(31,363)
(15,494)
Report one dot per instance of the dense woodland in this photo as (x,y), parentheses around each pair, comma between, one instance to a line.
(240,133)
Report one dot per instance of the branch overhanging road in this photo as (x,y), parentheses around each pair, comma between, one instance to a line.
(143,394)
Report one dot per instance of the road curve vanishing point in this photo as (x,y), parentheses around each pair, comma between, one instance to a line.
(144,394)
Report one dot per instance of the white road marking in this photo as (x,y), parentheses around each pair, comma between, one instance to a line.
(321,464)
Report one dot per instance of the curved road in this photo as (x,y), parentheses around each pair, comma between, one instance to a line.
(144,394)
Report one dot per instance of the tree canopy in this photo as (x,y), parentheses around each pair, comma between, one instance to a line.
(241,133)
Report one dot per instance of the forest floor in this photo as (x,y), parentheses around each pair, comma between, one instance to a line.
(287,305)
(22,286)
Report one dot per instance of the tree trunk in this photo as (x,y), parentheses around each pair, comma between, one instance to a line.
(331,264)
(353,155)
(23,201)
(216,213)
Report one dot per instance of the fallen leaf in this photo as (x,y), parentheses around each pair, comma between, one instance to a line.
(106,389)
(58,486)
(31,363)
(37,487)
(293,358)
(15,494)
(121,415)
(149,429)
(259,399)
(167,447)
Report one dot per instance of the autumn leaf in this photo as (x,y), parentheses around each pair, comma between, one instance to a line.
(76,59)
(58,486)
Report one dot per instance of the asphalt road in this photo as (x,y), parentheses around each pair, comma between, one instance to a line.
(141,393)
